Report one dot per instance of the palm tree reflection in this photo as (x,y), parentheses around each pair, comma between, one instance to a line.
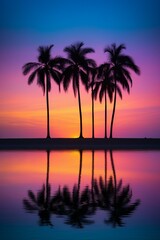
(77,205)
(42,202)
(115,198)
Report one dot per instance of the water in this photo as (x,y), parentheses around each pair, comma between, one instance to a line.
(85,195)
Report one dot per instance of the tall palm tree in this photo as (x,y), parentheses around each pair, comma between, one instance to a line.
(77,203)
(120,204)
(44,70)
(76,70)
(42,201)
(121,65)
(105,86)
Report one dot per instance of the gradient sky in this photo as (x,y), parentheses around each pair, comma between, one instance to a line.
(25,25)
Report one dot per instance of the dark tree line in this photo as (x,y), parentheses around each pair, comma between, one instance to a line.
(105,81)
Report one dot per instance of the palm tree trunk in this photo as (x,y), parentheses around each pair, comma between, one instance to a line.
(80,111)
(92,113)
(47,105)
(80,173)
(115,178)
(105,169)
(113,112)
(105,114)
(92,180)
(47,178)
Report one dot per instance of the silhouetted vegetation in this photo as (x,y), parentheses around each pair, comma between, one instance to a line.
(77,205)
(44,70)
(105,80)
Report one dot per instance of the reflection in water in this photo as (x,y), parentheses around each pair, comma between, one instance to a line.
(42,202)
(77,205)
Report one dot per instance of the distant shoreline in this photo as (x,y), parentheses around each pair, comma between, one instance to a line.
(80,144)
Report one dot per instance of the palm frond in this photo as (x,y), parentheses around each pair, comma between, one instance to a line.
(28,206)
(91,63)
(101,94)
(48,82)
(67,77)
(41,196)
(118,89)
(41,79)
(128,62)
(44,54)
(29,67)
(56,76)
(75,82)
(96,89)
(85,51)
(84,79)
(32,196)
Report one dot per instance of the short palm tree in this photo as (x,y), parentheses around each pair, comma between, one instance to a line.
(105,86)
(121,65)
(44,70)
(76,71)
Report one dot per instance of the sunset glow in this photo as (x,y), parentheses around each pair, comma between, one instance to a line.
(23,107)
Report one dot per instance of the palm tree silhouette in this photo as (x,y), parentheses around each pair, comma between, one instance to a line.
(77,206)
(121,205)
(44,70)
(77,203)
(105,86)
(120,201)
(114,198)
(42,202)
(103,192)
(76,69)
(120,66)
(39,203)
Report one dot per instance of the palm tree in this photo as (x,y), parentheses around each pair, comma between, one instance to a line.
(44,70)
(42,202)
(120,66)
(76,69)
(77,206)
(120,204)
(103,192)
(105,86)
(39,203)
(77,203)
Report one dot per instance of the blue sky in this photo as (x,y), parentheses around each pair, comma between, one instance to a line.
(52,15)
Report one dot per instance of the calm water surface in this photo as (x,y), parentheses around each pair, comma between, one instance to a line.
(79,195)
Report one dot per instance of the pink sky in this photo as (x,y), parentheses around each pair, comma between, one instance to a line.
(23,107)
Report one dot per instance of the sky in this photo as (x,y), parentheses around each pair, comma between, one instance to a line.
(26,25)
